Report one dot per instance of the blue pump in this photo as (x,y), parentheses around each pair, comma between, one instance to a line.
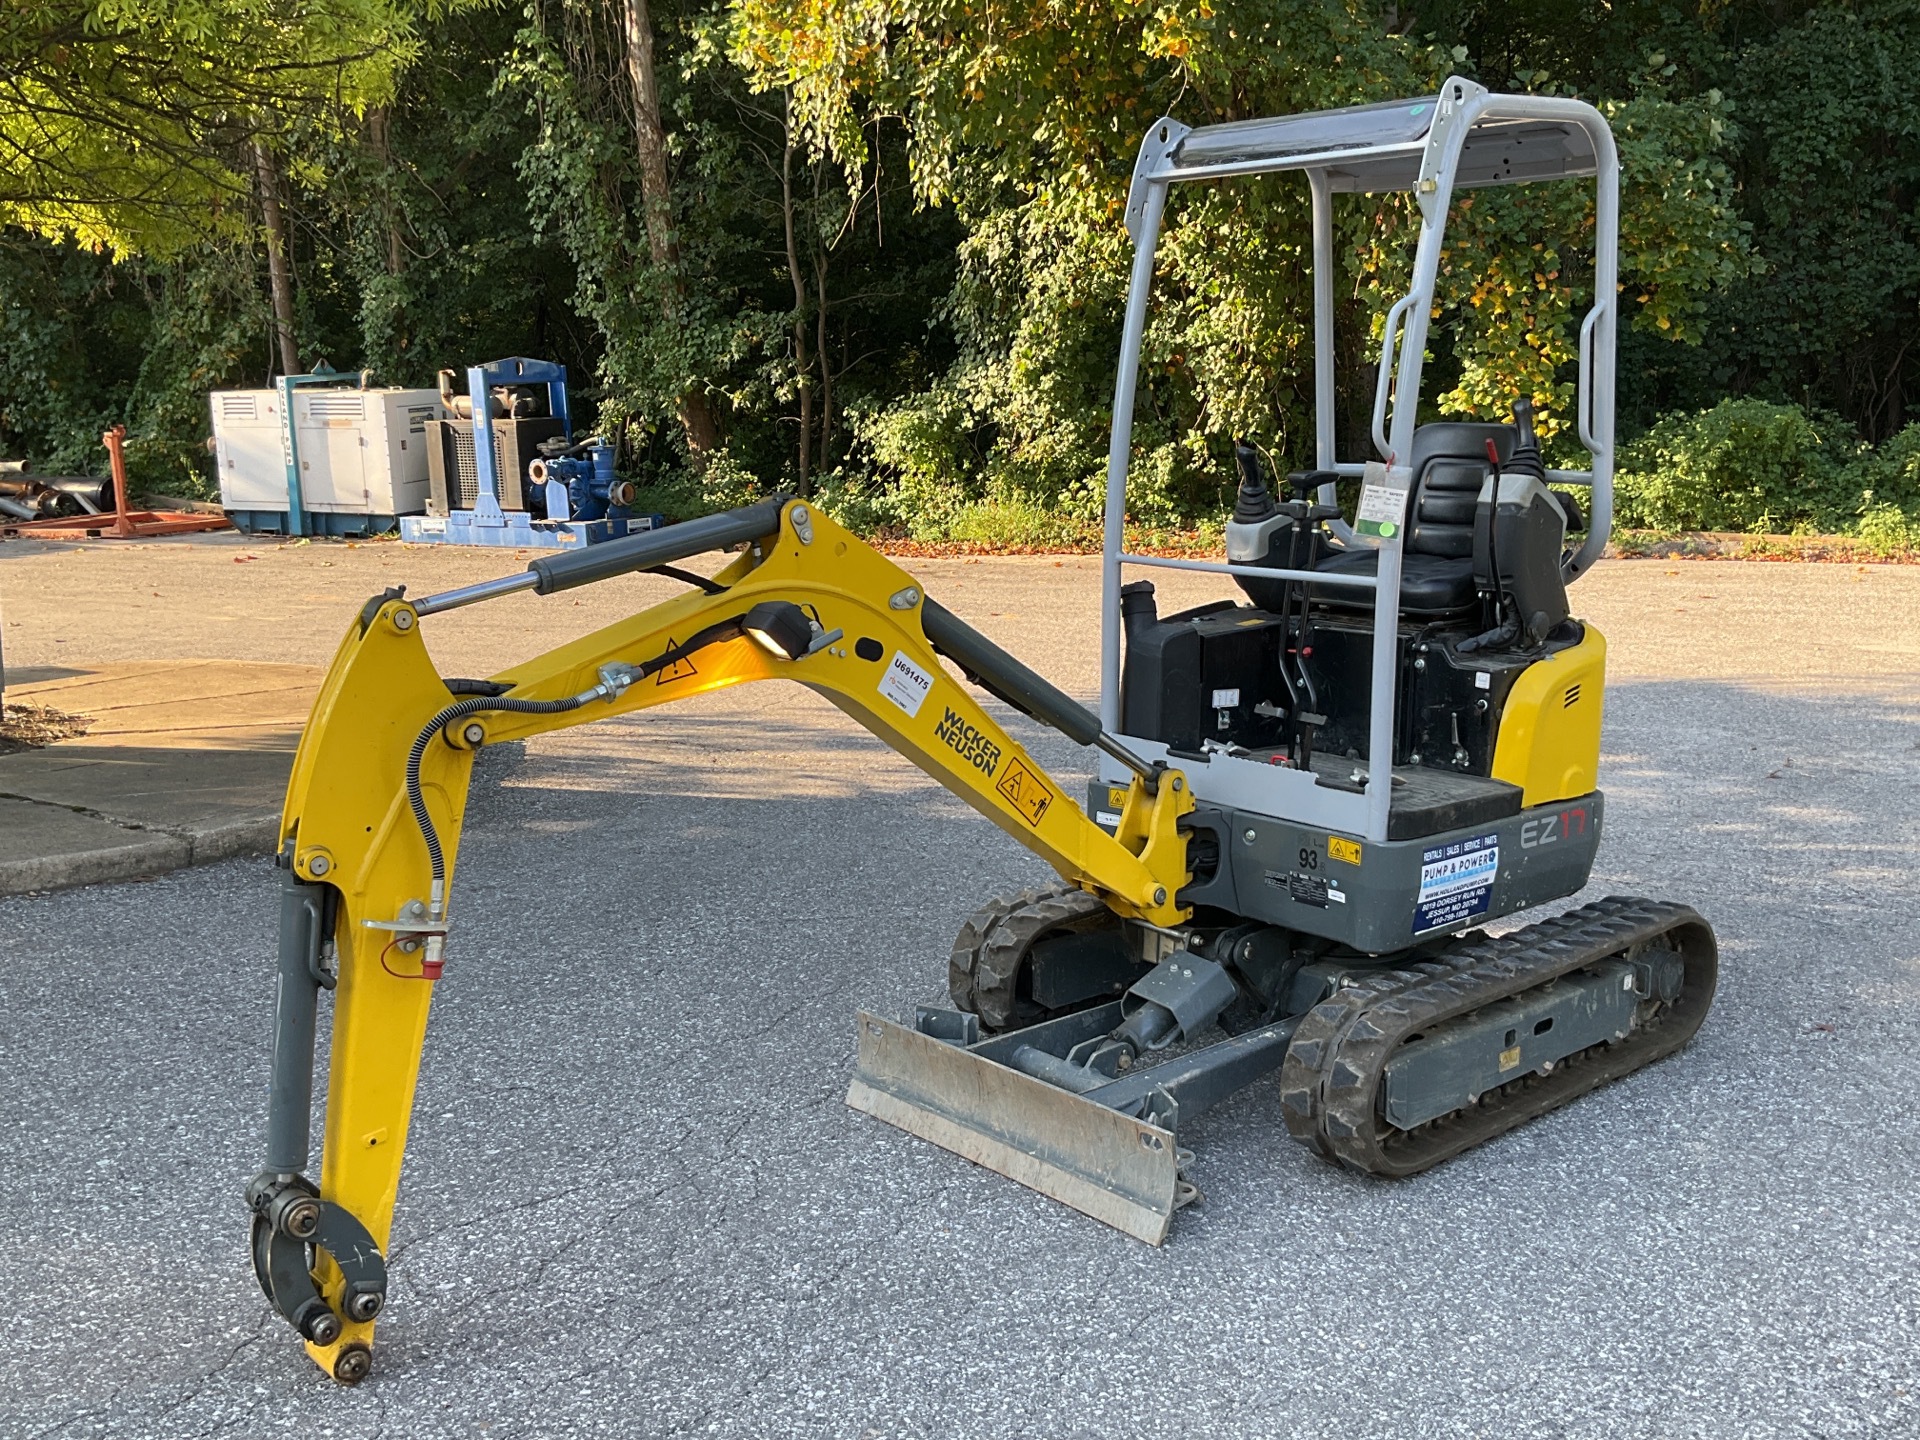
(585,501)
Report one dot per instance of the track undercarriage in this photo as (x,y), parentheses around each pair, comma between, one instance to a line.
(1385,1065)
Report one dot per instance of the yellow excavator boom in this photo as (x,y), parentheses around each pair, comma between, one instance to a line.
(372,822)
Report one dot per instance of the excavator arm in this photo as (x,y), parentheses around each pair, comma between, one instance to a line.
(372,821)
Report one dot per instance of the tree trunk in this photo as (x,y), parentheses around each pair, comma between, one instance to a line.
(380,133)
(802,361)
(820,328)
(279,276)
(656,208)
(820,350)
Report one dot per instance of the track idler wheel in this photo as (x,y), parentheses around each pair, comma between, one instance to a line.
(990,971)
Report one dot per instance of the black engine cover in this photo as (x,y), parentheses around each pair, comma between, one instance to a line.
(1180,668)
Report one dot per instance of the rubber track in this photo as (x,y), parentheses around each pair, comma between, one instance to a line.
(983,972)
(1330,1082)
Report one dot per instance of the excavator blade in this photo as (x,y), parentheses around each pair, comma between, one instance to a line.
(1116,1169)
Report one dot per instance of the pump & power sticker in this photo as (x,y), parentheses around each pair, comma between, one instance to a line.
(1456,882)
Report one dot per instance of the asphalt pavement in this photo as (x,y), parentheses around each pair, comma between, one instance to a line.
(635,1204)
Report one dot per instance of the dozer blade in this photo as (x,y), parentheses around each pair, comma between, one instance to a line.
(1122,1171)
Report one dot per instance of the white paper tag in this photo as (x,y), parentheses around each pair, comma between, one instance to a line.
(1225,699)
(1383,500)
(906,684)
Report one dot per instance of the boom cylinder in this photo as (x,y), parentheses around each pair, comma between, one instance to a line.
(296,1002)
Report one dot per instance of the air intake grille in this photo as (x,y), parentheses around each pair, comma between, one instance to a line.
(466,484)
(238,407)
(1573,697)
(337,407)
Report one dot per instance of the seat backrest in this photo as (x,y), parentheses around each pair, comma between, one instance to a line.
(1449,465)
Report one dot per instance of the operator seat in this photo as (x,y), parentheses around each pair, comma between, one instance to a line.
(1449,465)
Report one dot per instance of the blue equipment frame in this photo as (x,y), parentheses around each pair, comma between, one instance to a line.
(487,523)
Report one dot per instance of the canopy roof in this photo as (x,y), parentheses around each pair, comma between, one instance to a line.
(1379,147)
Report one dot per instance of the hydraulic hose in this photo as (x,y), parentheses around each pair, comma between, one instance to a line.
(459,710)
(614,680)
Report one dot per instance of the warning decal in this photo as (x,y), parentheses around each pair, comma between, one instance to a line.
(1456,882)
(681,667)
(1025,791)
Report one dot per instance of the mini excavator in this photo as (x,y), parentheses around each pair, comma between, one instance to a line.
(1309,801)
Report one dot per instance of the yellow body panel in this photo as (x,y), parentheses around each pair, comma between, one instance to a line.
(1549,741)
(346,810)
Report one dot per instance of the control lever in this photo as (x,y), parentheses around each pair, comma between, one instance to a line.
(1309,518)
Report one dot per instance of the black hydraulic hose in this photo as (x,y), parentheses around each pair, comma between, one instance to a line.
(459,710)
(477,704)
(688,577)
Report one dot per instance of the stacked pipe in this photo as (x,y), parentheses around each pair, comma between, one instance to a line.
(26,496)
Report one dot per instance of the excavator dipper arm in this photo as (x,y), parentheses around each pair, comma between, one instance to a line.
(373,813)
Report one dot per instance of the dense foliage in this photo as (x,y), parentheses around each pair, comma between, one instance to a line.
(878,252)
(1750,465)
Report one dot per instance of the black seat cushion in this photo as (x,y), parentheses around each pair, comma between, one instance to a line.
(1429,584)
(1443,510)
(1449,465)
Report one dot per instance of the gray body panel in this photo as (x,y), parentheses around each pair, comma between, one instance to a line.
(1286,874)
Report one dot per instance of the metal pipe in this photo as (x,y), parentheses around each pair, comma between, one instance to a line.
(474,594)
(1262,572)
(1055,1071)
(1143,768)
(89,490)
(1119,448)
(1453,120)
(1323,396)
(1267,164)
(1323,358)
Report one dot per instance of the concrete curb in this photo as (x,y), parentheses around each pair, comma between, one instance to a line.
(146,852)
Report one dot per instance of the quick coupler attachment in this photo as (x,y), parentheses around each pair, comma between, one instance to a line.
(291,1225)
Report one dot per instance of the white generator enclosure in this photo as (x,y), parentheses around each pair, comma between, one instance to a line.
(362,452)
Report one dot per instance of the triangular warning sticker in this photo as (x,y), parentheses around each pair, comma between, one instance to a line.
(681,667)
(1025,791)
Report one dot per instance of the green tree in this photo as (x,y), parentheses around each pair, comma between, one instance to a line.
(1025,119)
(127,122)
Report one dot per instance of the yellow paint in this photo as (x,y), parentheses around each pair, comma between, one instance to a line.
(1509,1059)
(1549,741)
(346,803)
(1339,848)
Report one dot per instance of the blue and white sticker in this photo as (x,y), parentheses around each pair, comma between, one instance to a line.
(1456,883)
